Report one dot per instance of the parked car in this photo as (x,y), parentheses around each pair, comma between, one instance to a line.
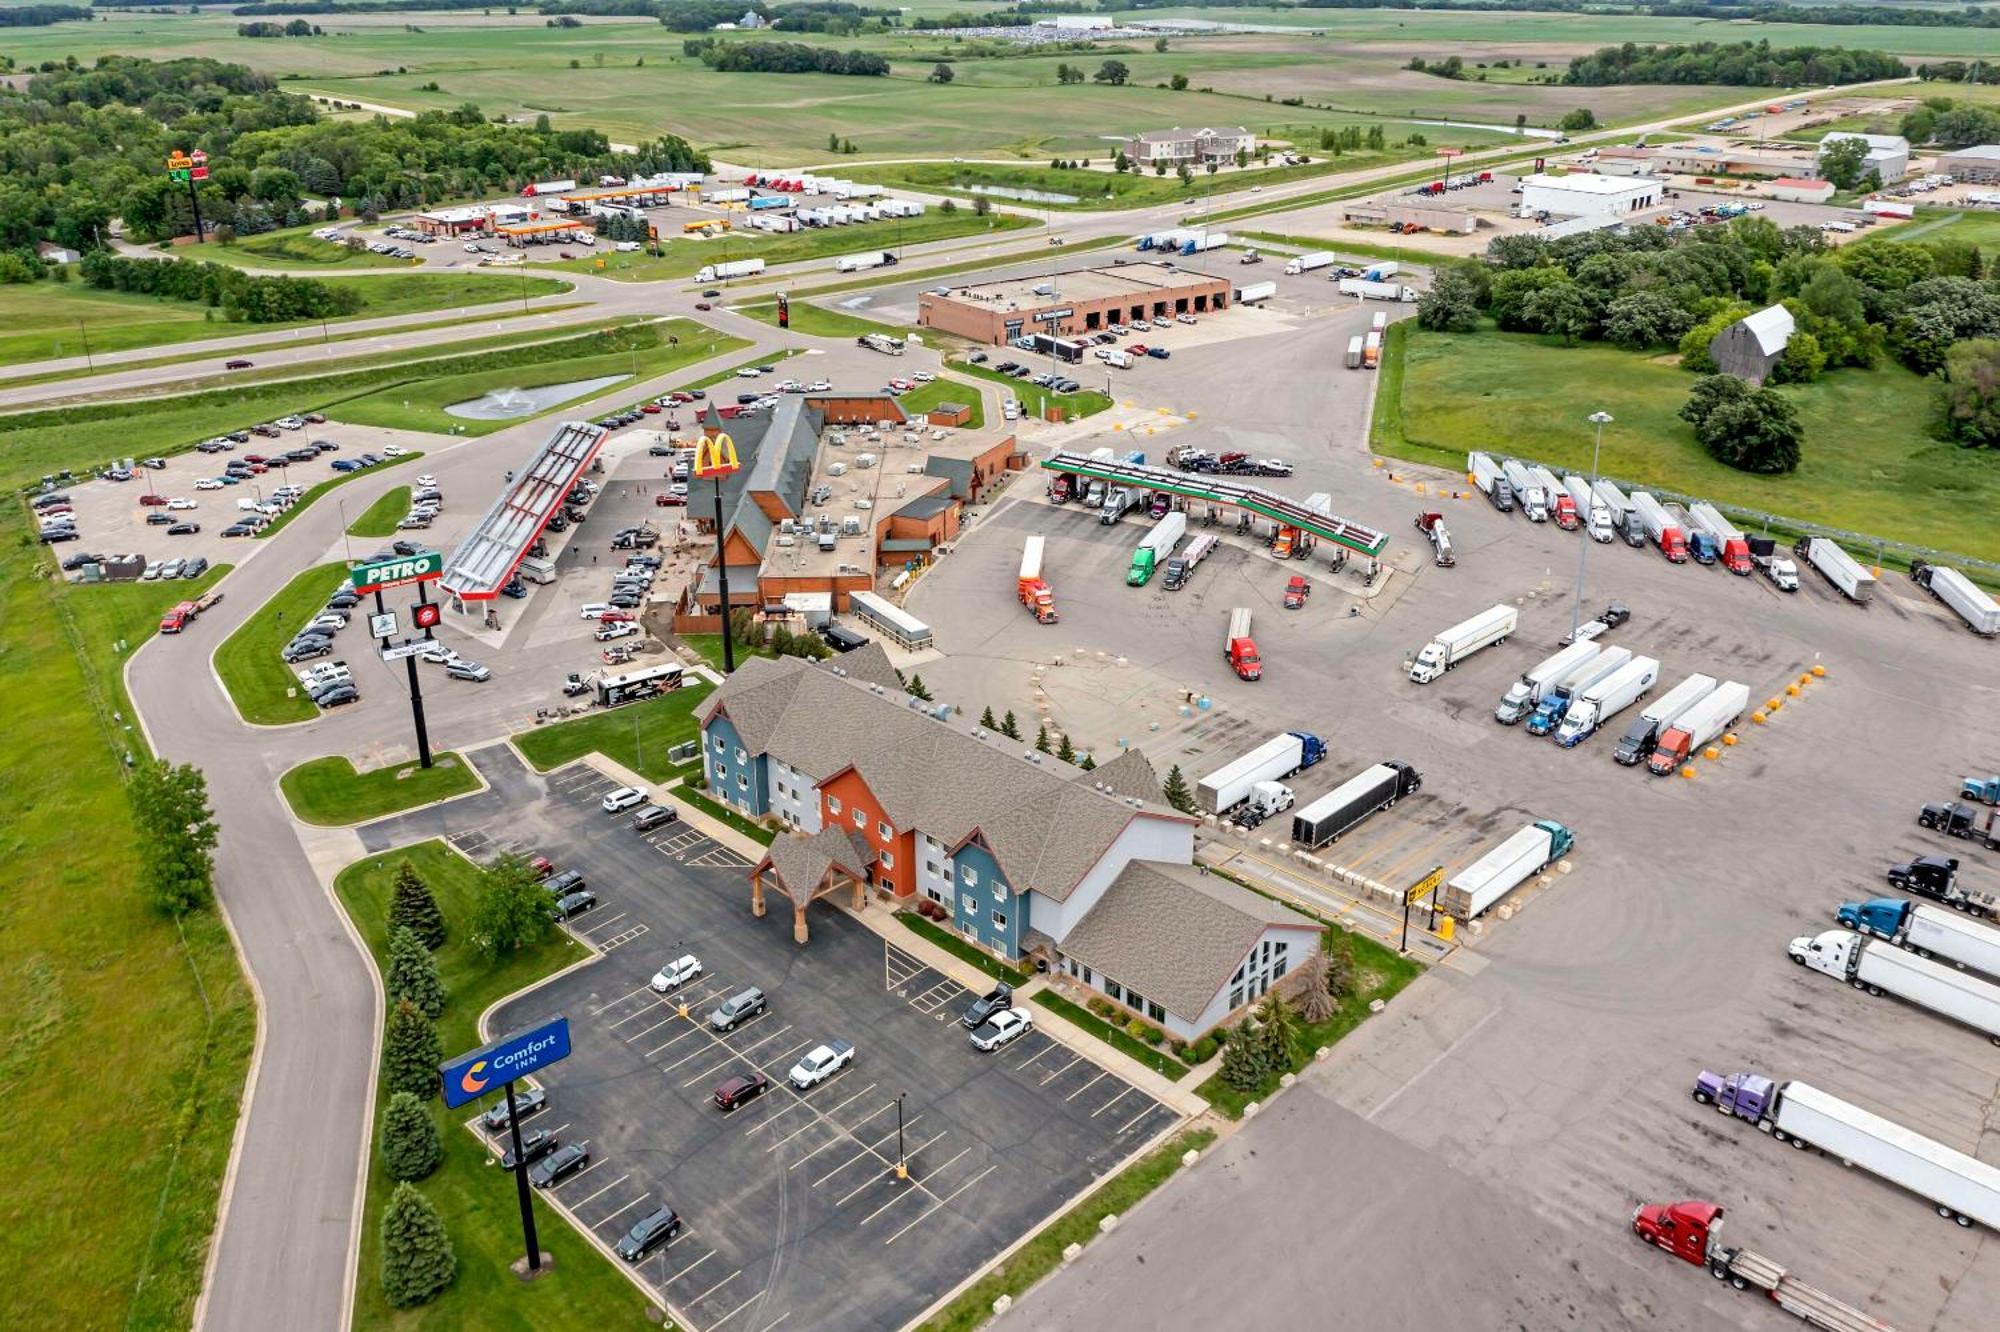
(676,973)
(1002,1027)
(237,365)
(534,1146)
(526,1099)
(649,1232)
(184,529)
(984,1007)
(653,816)
(737,1009)
(625,797)
(467,670)
(565,882)
(571,905)
(740,1090)
(821,1063)
(559,1165)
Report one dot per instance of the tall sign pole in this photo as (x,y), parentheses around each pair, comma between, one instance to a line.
(506,1061)
(379,575)
(715,458)
(190,169)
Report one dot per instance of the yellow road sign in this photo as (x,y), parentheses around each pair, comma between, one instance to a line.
(1425,886)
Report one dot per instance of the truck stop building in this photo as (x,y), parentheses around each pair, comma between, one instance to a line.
(1589,196)
(1069,303)
(1791,189)
(1976,166)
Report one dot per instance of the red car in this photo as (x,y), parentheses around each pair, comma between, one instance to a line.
(703,305)
(150,499)
(542,866)
(741,1088)
(666,501)
(255,458)
(651,409)
(680,395)
(616,617)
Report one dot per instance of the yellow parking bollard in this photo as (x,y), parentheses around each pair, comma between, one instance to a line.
(1117,425)
(1376,461)
(1446,928)
(1805,679)
(1819,671)
(1792,691)
(1420,487)
(1688,772)
(1758,716)
(1711,753)
(1729,739)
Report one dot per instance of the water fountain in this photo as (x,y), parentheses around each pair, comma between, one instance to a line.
(506,404)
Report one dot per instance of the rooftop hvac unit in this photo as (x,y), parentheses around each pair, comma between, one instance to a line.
(850,569)
(864,504)
(864,460)
(850,526)
(785,526)
(915,469)
(787,541)
(837,469)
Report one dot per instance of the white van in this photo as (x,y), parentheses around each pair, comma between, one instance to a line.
(628,247)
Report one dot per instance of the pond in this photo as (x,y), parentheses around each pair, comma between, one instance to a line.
(507,403)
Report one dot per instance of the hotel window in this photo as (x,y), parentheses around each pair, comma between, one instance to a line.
(888,861)
(930,868)
(885,832)
(833,804)
(720,747)
(999,920)
(971,877)
(1114,989)
(1155,1012)
(742,783)
(741,757)
(861,818)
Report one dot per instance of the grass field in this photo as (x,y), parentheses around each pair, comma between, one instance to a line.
(259,682)
(816,321)
(63,316)
(926,396)
(380,518)
(84,957)
(684,256)
(1867,466)
(298,248)
(330,793)
(1083,402)
(636,735)
(1938,224)
(316,492)
(420,404)
(583,1289)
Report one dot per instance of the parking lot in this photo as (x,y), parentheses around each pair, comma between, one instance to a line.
(793,1215)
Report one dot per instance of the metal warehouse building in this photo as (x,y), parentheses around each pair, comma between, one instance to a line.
(1589,196)
(1068,303)
(1980,165)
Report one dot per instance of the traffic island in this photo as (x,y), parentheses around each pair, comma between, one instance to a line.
(331,793)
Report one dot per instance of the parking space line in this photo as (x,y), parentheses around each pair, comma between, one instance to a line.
(606,1189)
(689,1268)
(717,1286)
(615,1002)
(610,1217)
(900,1194)
(1151,1106)
(793,1104)
(867,1149)
(872,1179)
(1416,855)
(737,1310)
(745,1051)
(836,1109)
(775,1321)
(1101,1075)
(1052,1044)
(592,1167)
(709,1073)
(940,1203)
(643,1034)
(602,924)
(800,1129)
(622,938)
(1073,1061)
(1113,1101)
(691,1031)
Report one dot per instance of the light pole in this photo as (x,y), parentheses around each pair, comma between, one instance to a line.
(902,1163)
(1600,420)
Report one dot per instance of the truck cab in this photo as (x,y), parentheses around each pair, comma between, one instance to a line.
(1566,515)
(1243,659)
(1637,742)
(1670,750)
(1141,571)
(1549,713)
(1503,495)
(1736,556)
(1177,572)
(1927,876)
(1534,505)
(1674,546)
(1599,526)
(1986,790)
(1682,1228)
(1703,547)
(1880,916)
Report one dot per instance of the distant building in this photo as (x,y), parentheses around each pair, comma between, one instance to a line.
(1888,154)
(1750,347)
(1978,166)
(751,21)
(1189,147)
(1792,189)
(1078,22)
(1085,301)
(1588,196)
(56,254)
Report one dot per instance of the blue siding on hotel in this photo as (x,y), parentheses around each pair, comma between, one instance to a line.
(734,777)
(981,892)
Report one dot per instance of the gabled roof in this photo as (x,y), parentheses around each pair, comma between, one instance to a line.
(1044,821)
(1177,133)
(802,862)
(1173,934)
(1772,328)
(869,664)
(1130,774)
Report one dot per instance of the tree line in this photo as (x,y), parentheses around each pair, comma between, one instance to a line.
(41,16)
(1738,64)
(1647,289)
(296,28)
(239,295)
(782,58)
(82,145)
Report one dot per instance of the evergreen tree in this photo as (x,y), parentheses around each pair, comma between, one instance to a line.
(1315,1002)
(1066,751)
(1280,1024)
(410,1146)
(986,719)
(1041,737)
(417,1258)
(1245,1063)
(1176,791)
(1087,763)
(1009,727)
(918,688)
(413,973)
(410,1053)
(1339,964)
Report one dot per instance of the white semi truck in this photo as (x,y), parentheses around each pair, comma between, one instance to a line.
(1455,644)
(735,268)
(1273,761)
(1928,931)
(1525,694)
(1839,568)
(1960,593)
(856,263)
(1606,699)
(1377,291)
(1306,263)
(1879,967)
(1503,869)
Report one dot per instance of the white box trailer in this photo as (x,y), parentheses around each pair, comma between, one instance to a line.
(855,263)
(1840,568)
(1546,480)
(1960,593)
(735,268)
(1580,493)
(1468,636)
(1963,1188)
(1879,967)
(1230,785)
(1468,893)
(1031,558)
(1611,497)
(1606,699)
(1377,291)
(1517,475)
(1646,728)
(1344,808)
(1929,930)
(1255,292)
(1707,518)
(1525,694)
(1354,348)
(1306,263)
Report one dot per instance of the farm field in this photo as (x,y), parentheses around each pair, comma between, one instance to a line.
(55,319)
(1867,464)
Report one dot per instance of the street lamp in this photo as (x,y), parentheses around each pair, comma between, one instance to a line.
(1600,420)
(902,1162)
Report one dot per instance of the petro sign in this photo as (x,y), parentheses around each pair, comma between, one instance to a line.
(395,572)
(471,1076)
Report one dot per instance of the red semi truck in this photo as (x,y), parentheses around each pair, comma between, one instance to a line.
(1691,1231)
(1239,648)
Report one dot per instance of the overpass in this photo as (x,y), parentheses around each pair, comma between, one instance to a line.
(1224,490)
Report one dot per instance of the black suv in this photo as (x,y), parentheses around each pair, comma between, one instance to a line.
(993,1001)
(652,1230)
(571,905)
(568,881)
(534,1146)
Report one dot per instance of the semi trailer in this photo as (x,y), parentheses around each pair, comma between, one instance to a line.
(1838,567)
(1697,726)
(1157,546)
(1927,931)
(1239,649)
(1181,565)
(1691,1231)
(735,268)
(1955,590)
(1606,699)
(1306,263)
(1274,760)
(1377,291)
(1506,867)
(1732,547)
(1644,733)
(1660,528)
(1961,1188)
(1030,588)
(1548,714)
(1784,574)
(1879,967)
(1342,809)
(1492,481)
(1525,694)
(856,263)
(1455,644)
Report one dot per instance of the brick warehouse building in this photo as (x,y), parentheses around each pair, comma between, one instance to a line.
(1031,857)
(1069,303)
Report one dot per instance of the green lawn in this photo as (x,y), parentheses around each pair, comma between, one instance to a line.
(297,248)
(1090,188)
(648,351)
(965,952)
(1868,466)
(926,396)
(720,812)
(1043,1252)
(636,734)
(477,1203)
(683,256)
(380,518)
(816,321)
(1084,402)
(1117,1038)
(45,320)
(109,1227)
(307,500)
(1939,224)
(250,663)
(330,793)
